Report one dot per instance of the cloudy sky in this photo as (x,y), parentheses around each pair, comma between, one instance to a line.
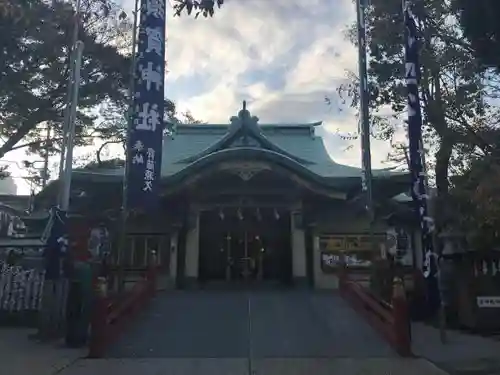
(282,56)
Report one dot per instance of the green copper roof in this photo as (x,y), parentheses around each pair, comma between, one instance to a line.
(297,145)
(297,140)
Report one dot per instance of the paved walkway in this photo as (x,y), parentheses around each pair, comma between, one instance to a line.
(250,324)
(21,356)
(462,354)
(253,333)
(274,366)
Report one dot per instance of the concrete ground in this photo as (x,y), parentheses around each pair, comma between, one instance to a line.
(21,356)
(462,354)
(239,366)
(252,332)
(250,324)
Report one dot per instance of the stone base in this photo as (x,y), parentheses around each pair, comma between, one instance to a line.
(166,283)
(191,283)
(301,282)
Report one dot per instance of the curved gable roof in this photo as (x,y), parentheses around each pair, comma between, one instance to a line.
(297,142)
(252,153)
(243,129)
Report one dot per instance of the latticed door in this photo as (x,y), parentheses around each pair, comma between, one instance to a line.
(138,249)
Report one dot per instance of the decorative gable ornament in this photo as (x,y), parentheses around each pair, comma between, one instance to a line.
(245,120)
(244,131)
(245,142)
(245,170)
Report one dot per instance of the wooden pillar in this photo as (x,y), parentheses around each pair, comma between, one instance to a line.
(402,325)
(192,249)
(298,241)
(173,249)
(98,325)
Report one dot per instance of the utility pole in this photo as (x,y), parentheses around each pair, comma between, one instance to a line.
(69,95)
(54,291)
(432,201)
(66,182)
(364,127)
(45,170)
(75,335)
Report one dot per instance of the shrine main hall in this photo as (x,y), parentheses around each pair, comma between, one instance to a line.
(244,201)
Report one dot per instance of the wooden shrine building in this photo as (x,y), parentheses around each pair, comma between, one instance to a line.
(245,201)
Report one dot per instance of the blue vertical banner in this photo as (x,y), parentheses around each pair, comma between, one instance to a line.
(419,193)
(146,135)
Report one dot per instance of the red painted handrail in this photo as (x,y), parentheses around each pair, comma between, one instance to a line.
(390,320)
(383,311)
(110,316)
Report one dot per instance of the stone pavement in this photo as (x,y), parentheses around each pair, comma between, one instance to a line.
(462,354)
(253,333)
(239,366)
(250,324)
(21,356)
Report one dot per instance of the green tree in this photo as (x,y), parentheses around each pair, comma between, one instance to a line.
(476,198)
(34,69)
(206,8)
(454,94)
(479,21)
(113,129)
(34,75)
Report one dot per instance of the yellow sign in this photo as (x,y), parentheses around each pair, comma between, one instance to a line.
(332,243)
(348,242)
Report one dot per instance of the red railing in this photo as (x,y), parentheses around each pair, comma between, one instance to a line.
(111,315)
(390,320)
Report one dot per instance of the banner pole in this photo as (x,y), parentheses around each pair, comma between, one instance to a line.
(420,189)
(68,170)
(69,95)
(442,309)
(365,120)
(124,209)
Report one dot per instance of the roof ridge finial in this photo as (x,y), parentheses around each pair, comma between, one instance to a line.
(244,105)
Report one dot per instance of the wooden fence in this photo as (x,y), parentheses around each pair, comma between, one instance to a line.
(475,285)
(20,294)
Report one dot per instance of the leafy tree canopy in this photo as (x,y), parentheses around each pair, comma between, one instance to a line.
(457,112)
(476,198)
(35,40)
(479,20)
(206,8)
(34,68)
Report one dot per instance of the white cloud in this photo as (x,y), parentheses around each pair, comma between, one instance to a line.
(323,65)
(282,56)
(243,34)
(8,186)
(300,43)
(218,105)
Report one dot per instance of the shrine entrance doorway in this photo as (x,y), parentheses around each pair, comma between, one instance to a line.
(245,245)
